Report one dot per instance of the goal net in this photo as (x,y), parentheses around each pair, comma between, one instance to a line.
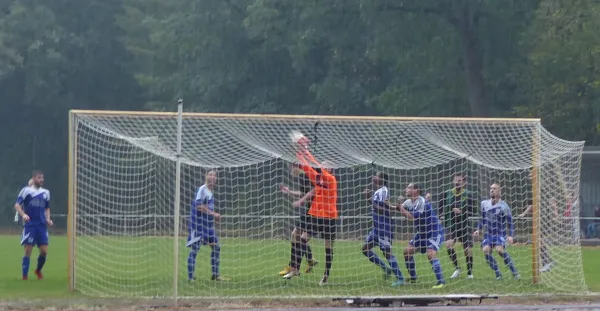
(123,173)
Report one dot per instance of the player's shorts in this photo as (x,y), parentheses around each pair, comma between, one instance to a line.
(201,237)
(493,241)
(384,242)
(324,228)
(302,223)
(461,234)
(35,235)
(423,243)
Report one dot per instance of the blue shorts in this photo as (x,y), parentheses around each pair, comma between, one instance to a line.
(423,243)
(35,235)
(201,237)
(383,241)
(493,241)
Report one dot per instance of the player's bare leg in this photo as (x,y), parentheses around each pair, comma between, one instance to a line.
(547,263)
(310,261)
(293,268)
(436,267)
(328,261)
(409,260)
(487,252)
(508,261)
(26,259)
(452,254)
(41,261)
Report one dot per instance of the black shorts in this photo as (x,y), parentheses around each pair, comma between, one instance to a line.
(302,223)
(460,234)
(324,228)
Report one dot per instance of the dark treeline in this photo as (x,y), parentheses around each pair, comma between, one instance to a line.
(510,58)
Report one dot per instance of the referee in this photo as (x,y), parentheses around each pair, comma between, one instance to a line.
(458,204)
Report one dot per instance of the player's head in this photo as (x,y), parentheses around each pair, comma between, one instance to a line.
(495,191)
(428,196)
(38,178)
(211,178)
(412,190)
(380,178)
(459,181)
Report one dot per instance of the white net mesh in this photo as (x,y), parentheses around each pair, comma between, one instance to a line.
(124,201)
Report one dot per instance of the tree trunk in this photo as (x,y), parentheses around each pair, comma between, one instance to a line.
(472,63)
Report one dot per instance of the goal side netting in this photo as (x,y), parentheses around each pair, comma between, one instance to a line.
(123,203)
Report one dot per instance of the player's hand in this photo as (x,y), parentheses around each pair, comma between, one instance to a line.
(297,203)
(284,189)
(25,217)
(457,210)
(476,233)
(217,216)
(510,240)
(49,222)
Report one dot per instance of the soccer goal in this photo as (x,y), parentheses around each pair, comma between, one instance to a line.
(134,175)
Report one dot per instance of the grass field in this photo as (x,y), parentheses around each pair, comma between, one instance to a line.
(143,267)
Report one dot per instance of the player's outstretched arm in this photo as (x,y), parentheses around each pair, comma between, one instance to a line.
(285,189)
(305,198)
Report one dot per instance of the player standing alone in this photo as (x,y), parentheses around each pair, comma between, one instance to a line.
(428,233)
(300,235)
(202,228)
(458,206)
(323,210)
(33,205)
(495,216)
(382,233)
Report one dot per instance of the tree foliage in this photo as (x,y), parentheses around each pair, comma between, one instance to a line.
(509,58)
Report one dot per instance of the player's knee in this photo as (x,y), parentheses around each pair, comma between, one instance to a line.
(407,251)
(431,254)
(468,251)
(486,250)
(450,244)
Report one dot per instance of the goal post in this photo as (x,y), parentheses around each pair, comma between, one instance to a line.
(127,237)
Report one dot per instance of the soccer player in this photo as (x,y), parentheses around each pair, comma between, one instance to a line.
(495,217)
(300,235)
(428,233)
(202,228)
(323,210)
(547,262)
(458,205)
(33,205)
(382,233)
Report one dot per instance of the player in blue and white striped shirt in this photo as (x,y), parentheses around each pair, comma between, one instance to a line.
(202,227)
(382,233)
(495,217)
(429,233)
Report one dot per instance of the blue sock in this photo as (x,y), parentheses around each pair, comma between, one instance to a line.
(437,269)
(25,266)
(215,259)
(410,265)
(508,261)
(395,267)
(191,262)
(375,259)
(492,262)
(41,262)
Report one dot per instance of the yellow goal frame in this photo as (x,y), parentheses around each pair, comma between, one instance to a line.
(72,159)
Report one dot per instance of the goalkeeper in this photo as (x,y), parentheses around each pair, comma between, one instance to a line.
(458,204)
(300,234)
(323,210)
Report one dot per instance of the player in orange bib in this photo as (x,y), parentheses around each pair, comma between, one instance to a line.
(323,213)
